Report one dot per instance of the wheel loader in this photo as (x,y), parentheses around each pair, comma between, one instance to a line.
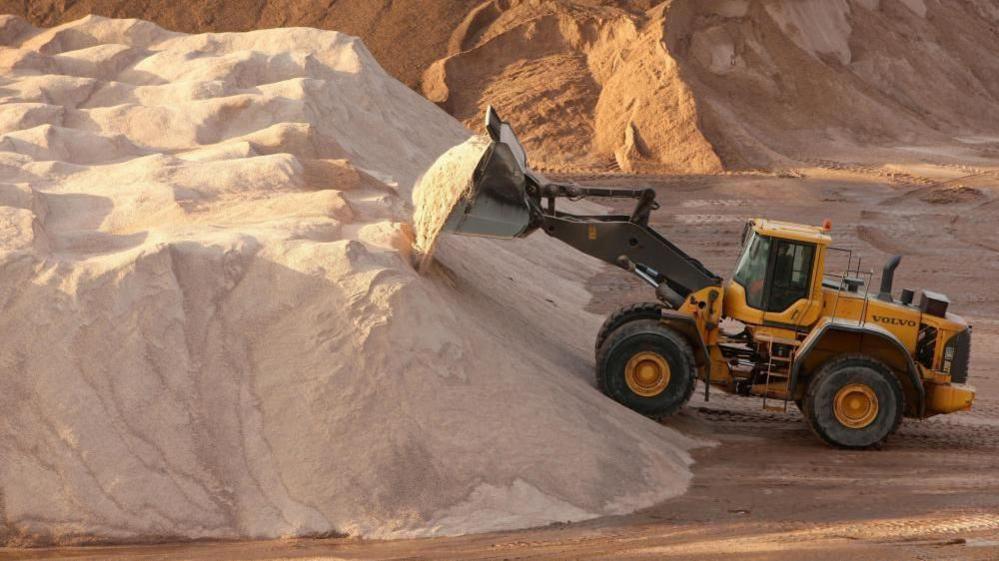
(782,327)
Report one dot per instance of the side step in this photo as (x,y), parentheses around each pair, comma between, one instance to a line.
(778,380)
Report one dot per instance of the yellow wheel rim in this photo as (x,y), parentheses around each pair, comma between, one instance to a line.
(647,374)
(856,405)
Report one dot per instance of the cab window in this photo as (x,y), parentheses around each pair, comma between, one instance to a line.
(792,274)
(751,272)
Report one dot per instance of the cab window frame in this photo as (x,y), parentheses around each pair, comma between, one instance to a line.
(768,299)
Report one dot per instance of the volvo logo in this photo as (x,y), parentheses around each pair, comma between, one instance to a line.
(895,321)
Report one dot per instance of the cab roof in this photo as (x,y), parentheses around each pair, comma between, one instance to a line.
(791,231)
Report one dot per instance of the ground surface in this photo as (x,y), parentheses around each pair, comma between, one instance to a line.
(770,490)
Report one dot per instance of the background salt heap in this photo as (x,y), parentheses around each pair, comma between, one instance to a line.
(210,326)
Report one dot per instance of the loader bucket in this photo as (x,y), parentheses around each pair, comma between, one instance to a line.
(496,206)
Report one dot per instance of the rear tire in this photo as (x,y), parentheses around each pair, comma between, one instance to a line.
(630,359)
(626,314)
(854,402)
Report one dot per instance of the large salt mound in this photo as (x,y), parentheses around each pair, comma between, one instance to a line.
(210,326)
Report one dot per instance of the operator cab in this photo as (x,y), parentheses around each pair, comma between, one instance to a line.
(778,277)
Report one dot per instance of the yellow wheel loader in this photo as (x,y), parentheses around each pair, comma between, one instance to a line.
(782,327)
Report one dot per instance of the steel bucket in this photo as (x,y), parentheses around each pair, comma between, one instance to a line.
(497,205)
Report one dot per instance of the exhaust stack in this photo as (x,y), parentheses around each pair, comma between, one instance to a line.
(888,278)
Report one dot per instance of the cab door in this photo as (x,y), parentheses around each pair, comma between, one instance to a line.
(787,293)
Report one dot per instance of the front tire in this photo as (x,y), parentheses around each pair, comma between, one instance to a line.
(854,402)
(647,367)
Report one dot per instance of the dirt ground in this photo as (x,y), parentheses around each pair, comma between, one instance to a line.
(769,489)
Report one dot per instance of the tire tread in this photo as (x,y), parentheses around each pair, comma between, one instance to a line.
(620,316)
(832,366)
(647,326)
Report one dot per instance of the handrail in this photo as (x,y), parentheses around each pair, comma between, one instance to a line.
(866,276)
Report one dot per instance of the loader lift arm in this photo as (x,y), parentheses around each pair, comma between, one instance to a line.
(626,241)
(510,200)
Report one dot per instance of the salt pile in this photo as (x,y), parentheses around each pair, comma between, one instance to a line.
(210,327)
